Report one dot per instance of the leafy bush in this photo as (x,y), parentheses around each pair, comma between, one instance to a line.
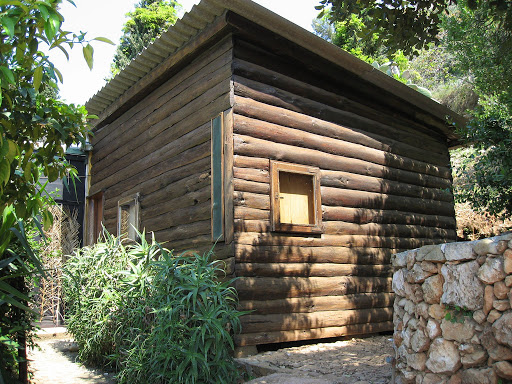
(154,316)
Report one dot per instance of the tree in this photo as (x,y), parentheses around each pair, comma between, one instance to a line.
(410,25)
(149,19)
(34,128)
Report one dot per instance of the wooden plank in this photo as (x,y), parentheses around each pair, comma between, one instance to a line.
(344,228)
(268,94)
(302,253)
(259,288)
(212,59)
(399,122)
(250,186)
(211,34)
(185,231)
(324,319)
(251,162)
(254,126)
(311,269)
(258,175)
(316,304)
(180,215)
(366,216)
(250,146)
(251,213)
(286,240)
(258,338)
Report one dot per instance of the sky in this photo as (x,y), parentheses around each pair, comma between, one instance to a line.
(105,18)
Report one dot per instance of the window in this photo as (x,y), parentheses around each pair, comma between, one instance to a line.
(128,217)
(295,203)
(95,217)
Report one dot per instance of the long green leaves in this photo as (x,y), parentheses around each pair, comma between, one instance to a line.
(157,317)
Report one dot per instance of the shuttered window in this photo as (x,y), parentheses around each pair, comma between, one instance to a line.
(128,218)
(295,202)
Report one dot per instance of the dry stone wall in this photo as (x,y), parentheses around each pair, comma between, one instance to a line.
(452,313)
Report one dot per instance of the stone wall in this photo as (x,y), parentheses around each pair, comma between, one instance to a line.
(452,313)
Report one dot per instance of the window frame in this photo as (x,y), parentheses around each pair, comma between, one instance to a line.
(133,202)
(276,224)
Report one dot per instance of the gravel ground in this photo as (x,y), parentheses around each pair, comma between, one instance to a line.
(349,361)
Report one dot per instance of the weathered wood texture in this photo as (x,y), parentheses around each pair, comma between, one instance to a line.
(385,183)
(160,148)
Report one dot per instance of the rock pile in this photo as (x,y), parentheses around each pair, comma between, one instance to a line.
(452,312)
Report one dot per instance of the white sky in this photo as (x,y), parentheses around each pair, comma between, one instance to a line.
(106,18)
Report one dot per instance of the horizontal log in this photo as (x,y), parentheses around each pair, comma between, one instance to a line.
(183,164)
(298,138)
(251,162)
(324,319)
(311,269)
(284,240)
(268,94)
(258,288)
(154,141)
(251,213)
(251,200)
(258,175)
(315,304)
(347,180)
(181,215)
(186,231)
(251,186)
(181,187)
(366,216)
(309,334)
(281,253)
(192,198)
(372,229)
(393,125)
(201,243)
(250,146)
(165,99)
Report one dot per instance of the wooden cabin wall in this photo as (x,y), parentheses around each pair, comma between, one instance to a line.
(385,187)
(160,148)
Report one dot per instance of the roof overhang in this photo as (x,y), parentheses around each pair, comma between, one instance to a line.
(206,22)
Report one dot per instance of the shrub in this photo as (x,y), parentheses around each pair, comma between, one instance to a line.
(154,316)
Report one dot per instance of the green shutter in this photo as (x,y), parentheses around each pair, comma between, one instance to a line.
(217,182)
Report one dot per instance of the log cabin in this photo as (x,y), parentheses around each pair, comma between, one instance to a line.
(306,166)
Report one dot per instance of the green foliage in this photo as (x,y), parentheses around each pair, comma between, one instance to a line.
(157,317)
(410,25)
(485,174)
(149,19)
(457,314)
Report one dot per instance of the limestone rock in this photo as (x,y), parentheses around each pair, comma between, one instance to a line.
(419,341)
(422,310)
(428,266)
(501,305)
(496,351)
(410,307)
(474,359)
(485,247)
(502,246)
(492,270)
(399,260)
(493,316)
(488,299)
(417,361)
(402,288)
(433,289)
(461,286)
(504,369)
(501,290)
(430,253)
(437,311)
(479,316)
(478,376)
(459,251)
(443,357)
(433,329)
(455,379)
(502,329)
(508,281)
(507,261)
(417,274)
(460,332)
(430,378)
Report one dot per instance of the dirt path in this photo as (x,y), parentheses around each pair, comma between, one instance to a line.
(356,360)
(54,363)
